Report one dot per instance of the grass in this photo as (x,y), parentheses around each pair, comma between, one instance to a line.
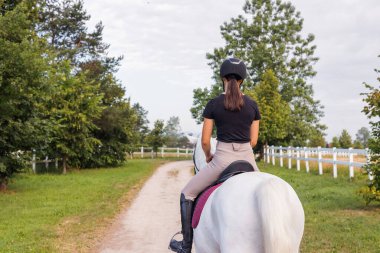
(66,213)
(337,219)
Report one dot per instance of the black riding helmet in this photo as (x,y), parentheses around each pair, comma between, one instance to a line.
(233,66)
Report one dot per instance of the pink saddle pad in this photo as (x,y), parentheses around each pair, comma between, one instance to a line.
(201,203)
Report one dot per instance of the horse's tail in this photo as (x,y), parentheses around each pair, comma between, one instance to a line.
(281,215)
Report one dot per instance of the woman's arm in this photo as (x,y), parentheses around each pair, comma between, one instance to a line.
(206,137)
(254,132)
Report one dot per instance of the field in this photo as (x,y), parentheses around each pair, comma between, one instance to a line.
(59,213)
(337,219)
(68,213)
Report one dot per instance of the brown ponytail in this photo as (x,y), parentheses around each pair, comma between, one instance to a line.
(233,100)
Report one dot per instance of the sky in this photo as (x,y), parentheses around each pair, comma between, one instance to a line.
(164,44)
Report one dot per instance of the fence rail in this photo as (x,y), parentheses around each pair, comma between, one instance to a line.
(164,152)
(318,155)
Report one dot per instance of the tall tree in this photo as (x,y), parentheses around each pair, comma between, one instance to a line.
(345,140)
(63,23)
(269,36)
(173,133)
(141,128)
(372,110)
(23,85)
(362,136)
(275,112)
(335,142)
(74,107)
(156,137)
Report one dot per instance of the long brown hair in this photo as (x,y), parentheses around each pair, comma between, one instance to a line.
(233,100)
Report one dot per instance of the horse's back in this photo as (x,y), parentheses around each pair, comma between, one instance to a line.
(240,216)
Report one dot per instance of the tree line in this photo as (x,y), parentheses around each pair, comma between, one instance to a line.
(59,94)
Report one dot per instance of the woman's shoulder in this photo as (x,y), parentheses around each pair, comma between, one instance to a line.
(249,100)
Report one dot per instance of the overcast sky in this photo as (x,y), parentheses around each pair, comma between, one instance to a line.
(164,44)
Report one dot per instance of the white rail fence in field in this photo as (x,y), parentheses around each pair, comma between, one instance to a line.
(164,152)
(143,152)
(317,155)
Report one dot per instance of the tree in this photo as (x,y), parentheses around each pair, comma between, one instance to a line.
(173,133)
(24,62)
(269,36)
(362,136)
(372,191)
(63,23)
(345,140)
(156,137)
(141,127)
(358,145)
(317,140)
(74,107)
(275,112)
(335,142)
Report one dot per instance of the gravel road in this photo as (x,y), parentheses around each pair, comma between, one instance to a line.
(153,217)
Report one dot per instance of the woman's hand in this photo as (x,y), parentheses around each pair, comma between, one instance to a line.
(209,158)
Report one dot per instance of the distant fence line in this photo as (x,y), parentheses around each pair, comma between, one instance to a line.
(142,152)
(307,154)
(164,152)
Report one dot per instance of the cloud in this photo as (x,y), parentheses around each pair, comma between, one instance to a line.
(165,42)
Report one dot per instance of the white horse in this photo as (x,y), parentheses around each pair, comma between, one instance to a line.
(253,212)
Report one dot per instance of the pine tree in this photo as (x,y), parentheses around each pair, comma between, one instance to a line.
(345,140)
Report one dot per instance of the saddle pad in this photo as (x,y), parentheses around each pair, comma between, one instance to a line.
(201,202)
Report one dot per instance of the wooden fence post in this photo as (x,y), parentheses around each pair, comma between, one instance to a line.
(142,152)
(273,156)
(320,167)
(162,152)
(187,150)
(177,152)
(289,151)
(306,151)
(268,154)
(281,158)
(351,157)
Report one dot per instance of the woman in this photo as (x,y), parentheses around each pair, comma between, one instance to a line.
(236,117)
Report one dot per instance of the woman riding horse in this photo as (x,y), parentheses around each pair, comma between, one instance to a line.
(236,118)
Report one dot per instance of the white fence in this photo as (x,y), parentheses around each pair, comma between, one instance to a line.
(46,162)
(164,152)
(339,156)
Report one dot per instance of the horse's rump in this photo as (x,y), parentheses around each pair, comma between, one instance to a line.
(251,212)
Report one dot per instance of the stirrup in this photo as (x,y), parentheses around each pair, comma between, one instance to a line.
(178,233)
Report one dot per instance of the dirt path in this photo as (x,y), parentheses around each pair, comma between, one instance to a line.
(153,217)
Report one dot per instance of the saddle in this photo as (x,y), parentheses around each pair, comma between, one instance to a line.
(235,168)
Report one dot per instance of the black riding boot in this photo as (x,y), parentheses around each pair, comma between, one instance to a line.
(185,245)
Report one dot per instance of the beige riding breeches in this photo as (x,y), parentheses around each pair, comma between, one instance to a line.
(225,154)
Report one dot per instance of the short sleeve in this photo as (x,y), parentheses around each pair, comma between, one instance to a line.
(208,111)
(257,114)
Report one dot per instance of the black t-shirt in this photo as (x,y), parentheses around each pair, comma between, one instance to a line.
(232,126)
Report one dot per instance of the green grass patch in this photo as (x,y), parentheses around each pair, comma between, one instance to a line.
(64,213)
(337,219)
